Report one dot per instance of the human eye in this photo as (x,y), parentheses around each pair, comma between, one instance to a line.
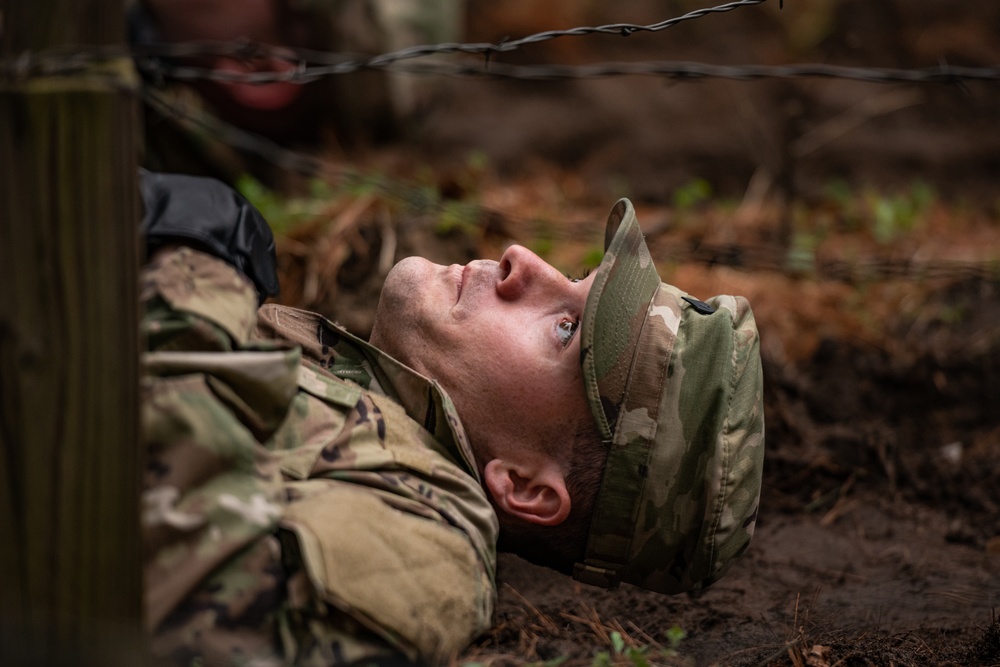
(576,280)
(565,331)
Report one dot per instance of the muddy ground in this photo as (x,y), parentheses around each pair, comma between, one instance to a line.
(879,534)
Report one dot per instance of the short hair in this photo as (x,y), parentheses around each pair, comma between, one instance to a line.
(560,547)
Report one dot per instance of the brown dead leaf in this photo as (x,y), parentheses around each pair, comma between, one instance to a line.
(818,656)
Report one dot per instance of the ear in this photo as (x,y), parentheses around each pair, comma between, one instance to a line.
(534,491)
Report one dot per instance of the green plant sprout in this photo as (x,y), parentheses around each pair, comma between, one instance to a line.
(457,216)
(592,257)
(639,656)
(284,213)
(801,256)
(692,194)
(900,214)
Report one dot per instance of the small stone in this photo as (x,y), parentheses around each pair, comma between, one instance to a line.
(952,453)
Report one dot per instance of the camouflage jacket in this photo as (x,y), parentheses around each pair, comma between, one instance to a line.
(307,499)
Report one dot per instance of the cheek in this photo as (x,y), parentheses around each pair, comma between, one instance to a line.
(490,359)
(507,361)
(522,384)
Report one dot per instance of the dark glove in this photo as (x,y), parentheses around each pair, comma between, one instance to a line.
(208,215)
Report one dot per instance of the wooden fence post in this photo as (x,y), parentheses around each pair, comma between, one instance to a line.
(70,574)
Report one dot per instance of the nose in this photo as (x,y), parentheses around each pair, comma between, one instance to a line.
(522,273)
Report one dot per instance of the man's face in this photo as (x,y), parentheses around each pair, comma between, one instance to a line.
(501,337)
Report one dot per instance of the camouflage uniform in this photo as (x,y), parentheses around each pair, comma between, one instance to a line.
(307,499)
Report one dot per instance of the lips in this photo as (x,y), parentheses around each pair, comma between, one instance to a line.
(461,281)
(459,273)
(266,96)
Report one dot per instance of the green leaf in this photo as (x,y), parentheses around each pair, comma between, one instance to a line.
(692,193)
(592,258)
(638,657)
(675,636)
(602,659)
(617,642)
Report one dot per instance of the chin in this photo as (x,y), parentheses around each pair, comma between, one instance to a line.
(398,316)
(391,334)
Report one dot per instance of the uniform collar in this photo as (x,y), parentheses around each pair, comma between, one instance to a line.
(344,355)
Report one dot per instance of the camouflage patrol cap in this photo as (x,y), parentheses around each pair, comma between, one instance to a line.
(675,386)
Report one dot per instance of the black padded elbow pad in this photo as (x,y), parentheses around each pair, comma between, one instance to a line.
(210,216)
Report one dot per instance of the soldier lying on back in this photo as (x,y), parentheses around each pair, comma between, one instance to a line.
(311,498)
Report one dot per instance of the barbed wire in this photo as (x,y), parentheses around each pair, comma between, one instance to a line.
(777,258)
(66,60)
(678,71)
(744,257)
(159,70)
(752,257)
(158,62)
(155,68)
(345,64)
(690,71)
(249,142)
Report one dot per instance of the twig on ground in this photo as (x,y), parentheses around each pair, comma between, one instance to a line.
(547,623)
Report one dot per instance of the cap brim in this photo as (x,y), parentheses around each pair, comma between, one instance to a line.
(616,309)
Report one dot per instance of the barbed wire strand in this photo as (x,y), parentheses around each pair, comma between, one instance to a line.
(772,257)
(678,71)
(234,137)
(777,258)
(149,60)
(312,65)
(159,70)
(746,257)
(62,59)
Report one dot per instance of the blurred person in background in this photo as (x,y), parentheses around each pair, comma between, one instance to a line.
(347,110)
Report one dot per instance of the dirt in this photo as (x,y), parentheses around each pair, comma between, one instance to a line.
(879,534)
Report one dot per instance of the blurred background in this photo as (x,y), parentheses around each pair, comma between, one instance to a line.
(861,218)
(644,136)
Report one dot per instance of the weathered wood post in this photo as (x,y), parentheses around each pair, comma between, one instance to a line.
(70,578)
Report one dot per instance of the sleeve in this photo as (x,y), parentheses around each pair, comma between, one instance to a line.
(193,301)
(211,492)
